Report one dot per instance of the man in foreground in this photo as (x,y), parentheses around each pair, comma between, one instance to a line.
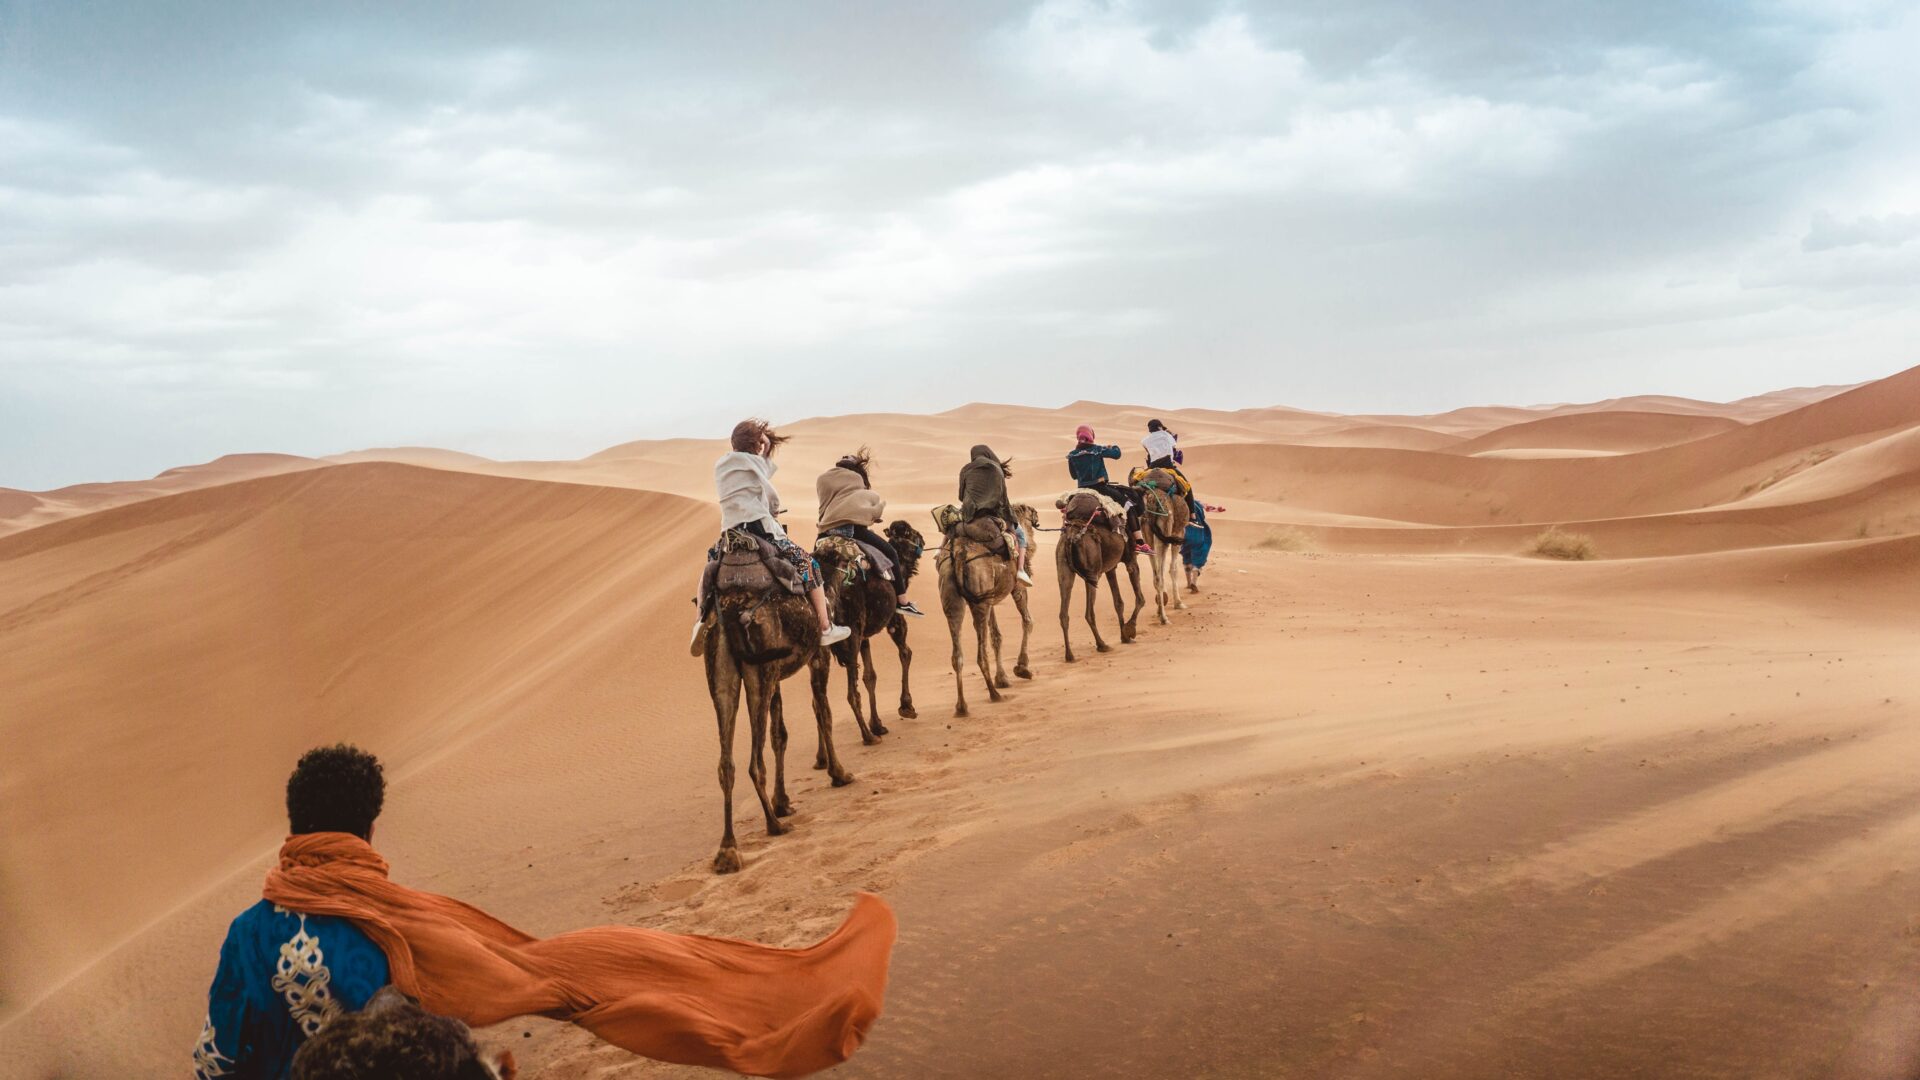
(678,998)
(286,974)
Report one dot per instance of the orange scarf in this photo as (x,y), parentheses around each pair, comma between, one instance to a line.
(680,998)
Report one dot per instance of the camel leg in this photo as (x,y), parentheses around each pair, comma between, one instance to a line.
(1066,577)
(1131,630)
(1093,590)
(818,668)
(999,668)
(1174,574)
(982,624)
(1160,580)
(724,680)
(825,757)
(760,690)
(955,610)
(872,679)
(853,697)
(1020,668)
(782,806)
(897,630)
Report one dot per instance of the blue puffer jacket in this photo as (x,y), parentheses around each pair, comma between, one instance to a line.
(1088,463)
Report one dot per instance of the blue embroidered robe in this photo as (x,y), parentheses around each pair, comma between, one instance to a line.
(283,976)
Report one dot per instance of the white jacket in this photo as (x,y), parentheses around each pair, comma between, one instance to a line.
(1159,444)
(745,484)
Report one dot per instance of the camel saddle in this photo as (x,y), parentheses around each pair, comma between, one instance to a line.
(1074,506)
(854,553)
(747,563)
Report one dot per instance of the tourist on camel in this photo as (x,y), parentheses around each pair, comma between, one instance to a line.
(850,507)
(744,477)
(332,926)
(286,972)
(1087,464)
(983,498)
(1163,452)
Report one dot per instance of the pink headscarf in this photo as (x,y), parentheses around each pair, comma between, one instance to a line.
(1083,433)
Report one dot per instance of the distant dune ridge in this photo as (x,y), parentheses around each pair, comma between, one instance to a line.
(509,636)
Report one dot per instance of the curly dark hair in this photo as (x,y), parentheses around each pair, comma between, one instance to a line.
(392,1039)
(337,788)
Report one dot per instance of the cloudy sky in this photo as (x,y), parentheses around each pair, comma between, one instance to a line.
(538,229)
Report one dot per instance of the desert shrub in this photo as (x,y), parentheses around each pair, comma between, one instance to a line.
(1557,543)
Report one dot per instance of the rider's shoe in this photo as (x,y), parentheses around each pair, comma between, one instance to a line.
(698,646)
(907,608)
(1022,575)
(1143,548)
(834,633)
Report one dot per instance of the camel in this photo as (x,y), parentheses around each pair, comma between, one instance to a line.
(1088,549)
(758,634)
(1163,520)
(974,578)
(863,602)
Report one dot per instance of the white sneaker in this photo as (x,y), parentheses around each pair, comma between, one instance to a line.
(698,646)
(834,633)
(1022,575)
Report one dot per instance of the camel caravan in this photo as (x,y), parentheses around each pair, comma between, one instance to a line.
(768,607)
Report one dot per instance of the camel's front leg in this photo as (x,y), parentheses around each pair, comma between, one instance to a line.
(1066,597)
(825,757)
(723,680)
(897,630)
(1100,643)
(1131,629)
(983,624)
(999,669)
(760,690)
(955,611)
(853,697)
(782,806)
(1020,668)
(1159,581)
(872,679)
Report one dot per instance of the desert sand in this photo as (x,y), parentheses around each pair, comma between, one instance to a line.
(1391,798)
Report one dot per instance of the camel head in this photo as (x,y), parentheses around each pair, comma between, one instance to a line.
(908,542)
(394,1033)
(1028,517)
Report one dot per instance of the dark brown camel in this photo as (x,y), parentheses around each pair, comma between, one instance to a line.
(1163,520)
(864,603)
(758,634)
(1089,547)
(975,578)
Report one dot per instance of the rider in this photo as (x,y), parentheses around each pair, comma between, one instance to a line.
(744,477)
(849,507)
(1163,452)
(983,494)
(1087,462)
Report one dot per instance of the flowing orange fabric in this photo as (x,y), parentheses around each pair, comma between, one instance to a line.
(681,998)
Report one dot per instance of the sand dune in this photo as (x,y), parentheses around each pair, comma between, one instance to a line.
(1489,815)
(39,508)
(1611,432)
(377,603)
(1447,489)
